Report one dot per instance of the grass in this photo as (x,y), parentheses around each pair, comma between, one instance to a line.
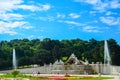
(39,78)
(12,76)
(69,78)
(96,78)
(22,76)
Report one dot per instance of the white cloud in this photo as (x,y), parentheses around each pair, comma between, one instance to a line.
(27,27)
(9,20)
(15,24)
(8,27)
(97,4)
(7,8)
(74,15)
(52,18)
(110,20)
(60,15)
(31,36)
(34,8)
(4,30)
(102,6)
(11,24)
(49,18)
(88,1)
(10,5)
(115,4)
(90,29)
(108,13)
(35,36)
(28,7)
(10,32)
(10,16)
(93,2)
(45,7)
(93,12)
(72,23)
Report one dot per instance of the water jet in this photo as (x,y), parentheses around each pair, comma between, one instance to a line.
(107,59)
(14,60)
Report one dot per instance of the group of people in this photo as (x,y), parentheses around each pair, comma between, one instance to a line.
(36,73)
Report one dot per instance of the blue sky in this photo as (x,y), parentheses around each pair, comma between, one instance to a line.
(60,19)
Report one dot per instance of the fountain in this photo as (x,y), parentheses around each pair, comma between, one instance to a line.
(107,59)
(14,60)
(72,66)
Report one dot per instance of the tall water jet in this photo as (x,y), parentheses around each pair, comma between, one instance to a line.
(14,60)
(107,58)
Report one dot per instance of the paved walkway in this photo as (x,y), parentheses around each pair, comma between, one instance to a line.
(116,78)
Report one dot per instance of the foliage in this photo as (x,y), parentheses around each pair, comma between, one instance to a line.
(64,58)
(48,51)
(15,73)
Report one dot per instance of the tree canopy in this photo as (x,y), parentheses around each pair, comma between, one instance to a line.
(48,51)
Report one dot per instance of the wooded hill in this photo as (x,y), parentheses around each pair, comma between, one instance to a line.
(48,51)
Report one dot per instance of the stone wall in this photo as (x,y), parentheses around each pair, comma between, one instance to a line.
(71,69)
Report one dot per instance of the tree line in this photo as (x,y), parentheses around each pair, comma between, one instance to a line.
(47,51)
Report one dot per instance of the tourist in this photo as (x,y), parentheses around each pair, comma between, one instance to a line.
(38,73)
(67,75)
(34,73)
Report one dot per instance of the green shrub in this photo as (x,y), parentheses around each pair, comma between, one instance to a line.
(15,73)
(95,72)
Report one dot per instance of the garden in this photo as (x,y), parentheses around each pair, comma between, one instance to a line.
(15,75)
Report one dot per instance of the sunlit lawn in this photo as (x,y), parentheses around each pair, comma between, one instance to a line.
(70,78)
(11,77)
(28,77)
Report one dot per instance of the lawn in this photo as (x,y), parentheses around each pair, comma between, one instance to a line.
(28,77)
(69,78)
(11,77)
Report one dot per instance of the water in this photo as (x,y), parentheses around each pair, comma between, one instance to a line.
(14,60)
(107,58)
